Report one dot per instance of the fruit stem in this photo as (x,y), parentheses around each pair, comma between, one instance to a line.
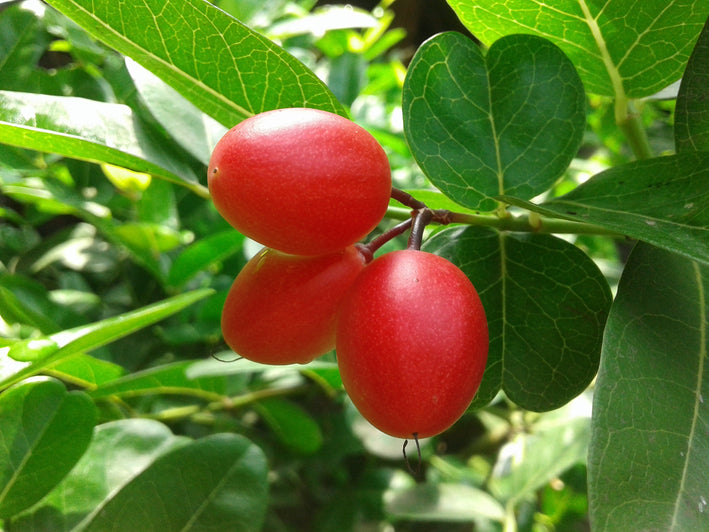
(371,248)
(421,219)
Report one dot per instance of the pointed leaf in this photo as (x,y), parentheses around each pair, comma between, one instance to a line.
(692,109)
(293,426)
(624,49)
(663,201)
(88,337)
(224,68)
(546,303)
(649,451)
(88,130)
(509,122)
(44,430)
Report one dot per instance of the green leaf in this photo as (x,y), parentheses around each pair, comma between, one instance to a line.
(44,430)
(293,426)
(663,201)
(546,303)
(692,108)
(558,441)
(443,502)
(621,49)
(203,254)
(31,350)
(85,371)
(224,68)
(92,336)
(216,483)
(118,453)
(87,130)
(649,451)
(193,130)
(508,122)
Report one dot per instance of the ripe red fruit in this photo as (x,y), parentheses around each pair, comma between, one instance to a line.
(302,181)
(281,309)
(412,343)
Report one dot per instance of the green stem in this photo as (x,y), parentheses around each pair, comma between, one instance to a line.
(632,127)
(227,403)
(532,223)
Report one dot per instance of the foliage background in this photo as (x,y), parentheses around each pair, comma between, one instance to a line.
(112,281)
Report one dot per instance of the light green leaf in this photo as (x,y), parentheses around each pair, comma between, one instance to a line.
(119,452)
(443,502)
(224,68)
(88,337)
(164,379)
(558,441)
(692,109)
(546,304)
(88,130)
(508,122)
(193,130)
(663,201)
(85,371)
(621,49)
(31,350)
(44,430)
(649,451)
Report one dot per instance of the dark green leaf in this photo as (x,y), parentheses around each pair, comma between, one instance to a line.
(118,453)
(87,130)
(293,426)
(216,483)
(664,201)
(509,122)
(203,254)
(649,452)
(44,430)
(546,303)
(88,337)
(224,68)
(692,109)
(624,49)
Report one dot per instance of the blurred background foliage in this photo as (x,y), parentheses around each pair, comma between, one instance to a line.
(80,242)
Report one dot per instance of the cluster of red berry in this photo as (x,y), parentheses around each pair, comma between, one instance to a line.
(408,327)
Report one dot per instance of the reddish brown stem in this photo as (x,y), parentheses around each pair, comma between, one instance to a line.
(421,220)
(370,248)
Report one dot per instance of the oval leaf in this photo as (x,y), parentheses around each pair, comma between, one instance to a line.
(649,451)
(44,430)
(480,126)
(692,109)
(546,304)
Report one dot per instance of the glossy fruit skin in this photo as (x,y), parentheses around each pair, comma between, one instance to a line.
(412,342)
(281,309)
(302,181)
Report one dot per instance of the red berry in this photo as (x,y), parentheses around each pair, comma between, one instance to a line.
(412,343)
(302,181)
(282,308)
